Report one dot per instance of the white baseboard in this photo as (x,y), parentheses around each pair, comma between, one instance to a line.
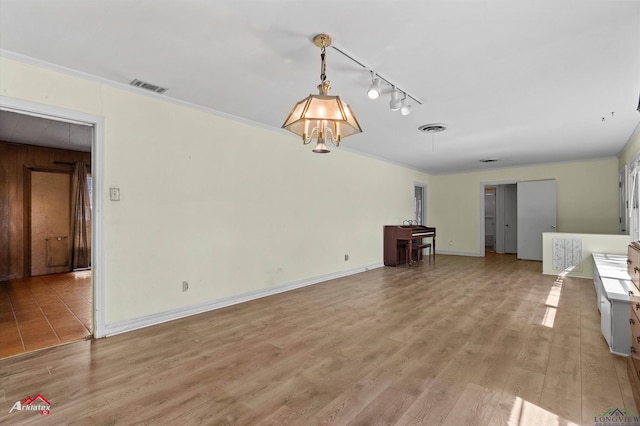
(459,253)
(118,327)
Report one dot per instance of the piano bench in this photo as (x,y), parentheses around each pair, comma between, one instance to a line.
(417,249)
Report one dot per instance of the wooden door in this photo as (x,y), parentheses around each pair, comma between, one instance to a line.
(50,223)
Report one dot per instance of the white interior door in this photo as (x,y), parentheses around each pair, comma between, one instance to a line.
(536,214)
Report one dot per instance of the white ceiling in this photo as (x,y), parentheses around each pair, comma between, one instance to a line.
(524,82)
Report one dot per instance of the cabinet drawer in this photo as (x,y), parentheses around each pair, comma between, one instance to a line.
(635,363)
(633,372)
(634,325)
(634,293)
(634,322)
(635,344)
(635,309)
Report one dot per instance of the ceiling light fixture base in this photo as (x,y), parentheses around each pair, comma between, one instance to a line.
(322,40)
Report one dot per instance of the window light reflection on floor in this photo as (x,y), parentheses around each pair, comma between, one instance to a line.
(549,317)
(554,294)
(553,298)
(525,413)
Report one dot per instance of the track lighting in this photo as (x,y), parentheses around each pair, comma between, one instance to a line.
(395,102)
(378,84)
(405,107)
(374,89)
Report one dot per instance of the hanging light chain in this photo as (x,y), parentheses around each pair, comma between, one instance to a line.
(323,64)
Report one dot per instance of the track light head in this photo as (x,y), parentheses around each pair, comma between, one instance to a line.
(405,107)
(374,89)
(395,102)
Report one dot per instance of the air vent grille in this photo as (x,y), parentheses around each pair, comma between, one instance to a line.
(433,127)
(148,86)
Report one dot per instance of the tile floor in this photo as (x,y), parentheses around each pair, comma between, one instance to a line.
(43,311)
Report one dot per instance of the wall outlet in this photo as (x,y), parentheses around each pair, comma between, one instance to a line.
(346,257)
(185,286)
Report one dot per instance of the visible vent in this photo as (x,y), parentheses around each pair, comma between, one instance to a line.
(567,254)
(433,127)
(148,86)
(489,160)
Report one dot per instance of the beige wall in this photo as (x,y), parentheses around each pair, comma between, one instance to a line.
(227,206)
(587,200)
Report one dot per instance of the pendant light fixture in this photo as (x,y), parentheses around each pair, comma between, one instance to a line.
(322,117)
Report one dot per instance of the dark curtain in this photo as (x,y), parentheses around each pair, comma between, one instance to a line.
(81,218)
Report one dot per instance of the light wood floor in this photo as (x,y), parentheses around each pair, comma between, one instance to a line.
(464,341)
(44,311)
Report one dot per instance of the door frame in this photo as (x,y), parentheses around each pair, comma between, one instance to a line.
(26,211)
(623,204)
(424,200)
(484,185)
(97,171)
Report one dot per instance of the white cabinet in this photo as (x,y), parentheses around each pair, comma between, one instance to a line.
(612,283)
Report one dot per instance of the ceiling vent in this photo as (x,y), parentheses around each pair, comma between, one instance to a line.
(433,128)
(147,86)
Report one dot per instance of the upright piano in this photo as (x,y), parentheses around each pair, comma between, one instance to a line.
(399,242)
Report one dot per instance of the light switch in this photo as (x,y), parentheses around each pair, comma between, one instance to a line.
(114,194)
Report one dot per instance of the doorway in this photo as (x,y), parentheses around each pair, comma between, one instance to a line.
(490,218)
(56,252)
(45,303)
(500,218)
(419,204)
(524,210)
